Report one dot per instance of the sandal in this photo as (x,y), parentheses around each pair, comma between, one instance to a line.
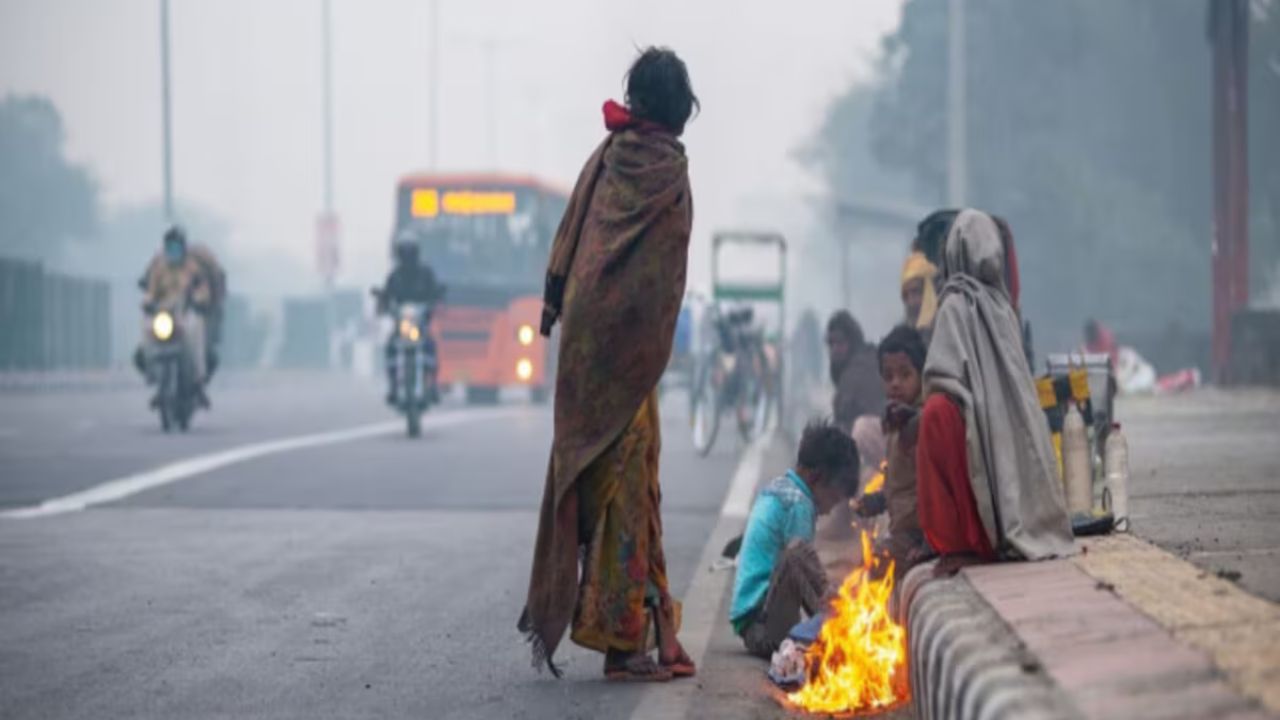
(636,668)
(681,665)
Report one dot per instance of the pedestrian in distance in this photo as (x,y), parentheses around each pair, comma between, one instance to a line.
(855,408)
(614,282)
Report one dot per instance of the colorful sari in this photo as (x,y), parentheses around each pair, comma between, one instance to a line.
(615,281)
(624,571)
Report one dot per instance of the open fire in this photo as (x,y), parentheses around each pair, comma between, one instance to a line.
(859,660)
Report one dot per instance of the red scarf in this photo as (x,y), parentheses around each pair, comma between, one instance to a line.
(617,117)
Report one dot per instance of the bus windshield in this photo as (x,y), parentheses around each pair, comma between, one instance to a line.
(481,236)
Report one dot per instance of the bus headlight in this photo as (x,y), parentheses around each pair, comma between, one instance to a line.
(524,369)
(525,335)
(162,326)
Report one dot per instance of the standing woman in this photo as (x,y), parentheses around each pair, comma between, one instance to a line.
(615,281)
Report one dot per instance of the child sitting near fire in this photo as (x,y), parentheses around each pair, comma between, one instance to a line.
(901,355)
(779,573)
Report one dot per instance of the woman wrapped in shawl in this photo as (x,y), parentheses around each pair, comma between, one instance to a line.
(615,280)
(987,482)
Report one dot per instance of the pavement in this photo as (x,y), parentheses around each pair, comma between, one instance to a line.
(375,577)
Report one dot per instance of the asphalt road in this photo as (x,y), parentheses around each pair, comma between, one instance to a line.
(380,577)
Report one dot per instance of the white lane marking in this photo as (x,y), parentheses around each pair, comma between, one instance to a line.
(701,609)
(737,502)
(124,487)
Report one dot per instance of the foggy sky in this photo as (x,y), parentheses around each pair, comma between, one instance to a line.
(247,90)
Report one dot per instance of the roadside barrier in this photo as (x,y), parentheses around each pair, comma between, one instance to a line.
(50,321)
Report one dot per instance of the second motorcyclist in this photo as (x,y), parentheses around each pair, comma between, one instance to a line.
(410,281)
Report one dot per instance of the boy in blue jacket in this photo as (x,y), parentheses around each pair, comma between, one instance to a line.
(779,574)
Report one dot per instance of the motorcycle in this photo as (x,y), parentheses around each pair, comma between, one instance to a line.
(413,361)
(168,366)
(734,374)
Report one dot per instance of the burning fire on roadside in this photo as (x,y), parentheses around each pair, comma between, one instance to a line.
(858,662)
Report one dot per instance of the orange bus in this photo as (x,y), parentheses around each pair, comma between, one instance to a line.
(487,236)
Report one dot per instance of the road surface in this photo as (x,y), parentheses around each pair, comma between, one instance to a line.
(361,578)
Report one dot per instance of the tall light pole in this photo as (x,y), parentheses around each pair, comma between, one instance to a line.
(491,99)
(327,227)
(166,112)
(327,104)
(433,89)
(957,153)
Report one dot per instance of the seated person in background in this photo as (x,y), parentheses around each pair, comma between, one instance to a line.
(1099,339)
(919,294)
(987,485)
(779,574)
(856,407)
(854,371)
(902,356)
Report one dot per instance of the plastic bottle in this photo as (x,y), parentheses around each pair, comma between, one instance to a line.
(1077,473)
(1116,461)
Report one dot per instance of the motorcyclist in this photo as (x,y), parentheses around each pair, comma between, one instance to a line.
(175,279)
(214,278)
(410,281)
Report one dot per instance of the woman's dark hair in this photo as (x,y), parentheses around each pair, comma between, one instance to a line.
(931,234)
(904,339)
(830,450)
(842,322)
(658,89)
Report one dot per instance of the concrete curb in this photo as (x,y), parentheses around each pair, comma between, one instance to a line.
(1049,640)
(965,662)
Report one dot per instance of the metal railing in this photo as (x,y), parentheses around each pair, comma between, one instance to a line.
(50,321)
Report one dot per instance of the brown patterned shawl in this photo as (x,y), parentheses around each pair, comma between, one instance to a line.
(619,261)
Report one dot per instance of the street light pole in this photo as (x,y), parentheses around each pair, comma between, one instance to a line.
(490,46)
(166,112)
(957,152)
(433,89)
(327,109)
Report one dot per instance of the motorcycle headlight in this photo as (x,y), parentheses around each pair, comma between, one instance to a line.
(524,369)
(409,330)
(525,335)
(162,326)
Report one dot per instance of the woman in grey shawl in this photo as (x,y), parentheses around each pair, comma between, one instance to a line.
(987,478)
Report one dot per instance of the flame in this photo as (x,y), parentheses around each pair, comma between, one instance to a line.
(876,483)
(859,660)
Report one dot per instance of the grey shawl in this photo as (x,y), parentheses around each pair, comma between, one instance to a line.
(976,357)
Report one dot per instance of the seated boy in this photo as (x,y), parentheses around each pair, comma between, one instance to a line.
(902,354)
(779,574)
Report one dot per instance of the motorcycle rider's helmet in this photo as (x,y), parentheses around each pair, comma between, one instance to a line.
(406,250)
(175,244)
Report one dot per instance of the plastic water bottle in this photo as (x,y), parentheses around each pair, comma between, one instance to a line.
(1116,461)
(1077,473)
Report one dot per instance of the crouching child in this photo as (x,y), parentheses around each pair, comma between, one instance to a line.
(779,574)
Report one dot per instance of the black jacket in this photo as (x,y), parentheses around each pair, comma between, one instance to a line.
(410,283)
